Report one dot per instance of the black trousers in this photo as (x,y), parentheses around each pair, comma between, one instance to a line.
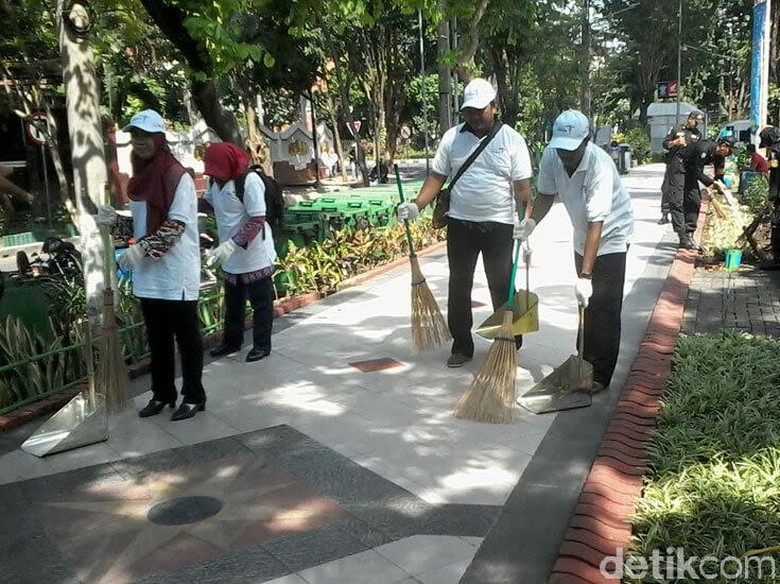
(465,241)
(665,207)
(602,316)
(691,203)
(675,194)
(261,297)
(166,321)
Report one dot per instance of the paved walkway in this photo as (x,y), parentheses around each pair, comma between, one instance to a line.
(337,459)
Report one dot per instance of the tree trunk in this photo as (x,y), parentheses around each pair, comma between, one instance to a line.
(258,149)
(224,123)
(445,78)
(90,174)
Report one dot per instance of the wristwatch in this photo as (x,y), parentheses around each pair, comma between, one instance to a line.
(586,275)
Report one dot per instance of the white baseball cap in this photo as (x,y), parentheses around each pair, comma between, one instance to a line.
(569,130)
(478,94)
(148,121)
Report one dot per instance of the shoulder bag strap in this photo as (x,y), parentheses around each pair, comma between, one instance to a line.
(477,151)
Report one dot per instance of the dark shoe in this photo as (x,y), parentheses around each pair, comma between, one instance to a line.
(687,243)
(598,387)
(663,220)
(518,342)
(222,349)
(257,354)
(186,410)
(457,360)
(154,407)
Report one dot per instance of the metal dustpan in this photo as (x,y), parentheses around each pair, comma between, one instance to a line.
(80,422)
(525,309)
(569,386)
(525,320)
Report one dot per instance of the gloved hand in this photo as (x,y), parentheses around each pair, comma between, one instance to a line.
(407,212)
(719,186)
(134,254)
(524,229)
(106,215)
(583,290)
(221,253)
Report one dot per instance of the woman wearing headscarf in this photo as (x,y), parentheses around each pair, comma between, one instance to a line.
(246,250)
(165,260)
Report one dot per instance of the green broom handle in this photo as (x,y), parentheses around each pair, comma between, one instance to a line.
(511,294)
(406,221)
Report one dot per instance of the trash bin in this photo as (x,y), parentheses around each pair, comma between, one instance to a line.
(625,159)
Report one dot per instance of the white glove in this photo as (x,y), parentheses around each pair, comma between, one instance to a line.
(524,229)
(407,212)
(583,290)
(221,253)
(106,215)
(132,256)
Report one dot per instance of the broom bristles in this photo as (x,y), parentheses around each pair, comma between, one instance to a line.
(491,396)
(111,371)
(429,329)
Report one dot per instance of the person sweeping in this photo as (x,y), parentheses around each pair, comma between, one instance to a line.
(587,182)
(428,327)
(483,205)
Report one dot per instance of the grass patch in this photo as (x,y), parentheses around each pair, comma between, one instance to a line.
(713,485)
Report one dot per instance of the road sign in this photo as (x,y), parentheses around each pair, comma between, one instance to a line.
(35,127)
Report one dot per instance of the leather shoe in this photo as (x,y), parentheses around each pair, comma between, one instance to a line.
(222,349)
(257,354)
(457,360)
(687,243)
(154,407)
(186,410)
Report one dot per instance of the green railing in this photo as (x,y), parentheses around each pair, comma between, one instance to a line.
(51,372)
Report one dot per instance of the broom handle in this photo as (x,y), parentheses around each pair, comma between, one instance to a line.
(581,334)
(406,221)
(512,278)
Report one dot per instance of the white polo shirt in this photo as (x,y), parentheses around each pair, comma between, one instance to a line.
(484,192)
(593,193)
(232,215)
(176,275)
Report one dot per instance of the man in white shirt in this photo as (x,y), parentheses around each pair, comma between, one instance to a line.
(587,182)
(484,203)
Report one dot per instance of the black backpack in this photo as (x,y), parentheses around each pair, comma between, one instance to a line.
(274,201)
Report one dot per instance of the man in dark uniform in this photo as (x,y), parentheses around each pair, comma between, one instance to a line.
(695,157)
(678,137)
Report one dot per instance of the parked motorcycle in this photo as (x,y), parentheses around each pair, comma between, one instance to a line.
(63,259)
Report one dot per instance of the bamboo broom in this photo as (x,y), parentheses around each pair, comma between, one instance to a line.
(111,368)
(429,329)
(491,396)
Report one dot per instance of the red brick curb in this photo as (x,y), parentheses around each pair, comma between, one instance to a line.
(600,526)
(53,403)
